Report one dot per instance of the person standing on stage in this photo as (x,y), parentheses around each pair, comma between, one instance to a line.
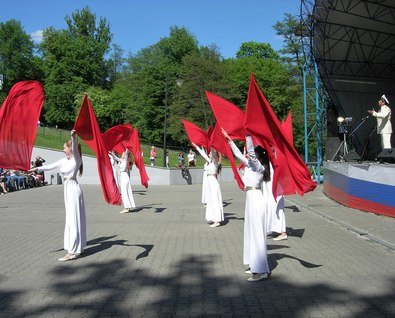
(75,227)
(213,196)
(256,174)
(384,126)
(124,181)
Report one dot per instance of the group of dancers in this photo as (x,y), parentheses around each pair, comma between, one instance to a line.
(263,214)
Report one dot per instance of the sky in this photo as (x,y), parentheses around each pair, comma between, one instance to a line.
(137,24)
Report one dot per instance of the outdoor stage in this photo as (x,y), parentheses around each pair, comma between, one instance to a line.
(367,186)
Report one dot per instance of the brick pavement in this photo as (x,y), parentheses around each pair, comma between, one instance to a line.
(164,261)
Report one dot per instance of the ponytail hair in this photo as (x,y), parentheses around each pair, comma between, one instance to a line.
(70,145)
(263,158)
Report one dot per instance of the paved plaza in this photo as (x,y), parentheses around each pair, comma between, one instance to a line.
(163,260)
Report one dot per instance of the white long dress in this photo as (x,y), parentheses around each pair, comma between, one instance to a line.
(204,184)
(275,212)
(75,227)
(115,170)
(213,196)
(124,181)
(255,250)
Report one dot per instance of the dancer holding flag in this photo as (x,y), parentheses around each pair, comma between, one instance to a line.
(124,181)
(75,227)
(256,174)
(214,206)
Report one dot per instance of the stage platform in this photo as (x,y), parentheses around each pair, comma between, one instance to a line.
(367,186)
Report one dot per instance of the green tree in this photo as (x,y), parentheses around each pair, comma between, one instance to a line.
(73,60)
(149,74)
(17,61)
(200,71)
(257,50)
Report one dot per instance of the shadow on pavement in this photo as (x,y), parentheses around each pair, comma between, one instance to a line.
(189,288)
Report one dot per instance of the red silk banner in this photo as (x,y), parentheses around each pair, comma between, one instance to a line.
(291,175)
(117,134)
(195,134)
(138,157)
(120,137)
(228,115)
(88,130)
(286,125)
(19,115)
(219,143)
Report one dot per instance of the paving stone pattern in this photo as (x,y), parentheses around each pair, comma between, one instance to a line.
(163,260)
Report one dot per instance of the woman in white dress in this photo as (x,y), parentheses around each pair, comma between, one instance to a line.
(124,181)
(255,175)
(75,227)
(213,196)
(276,217)
(204,184)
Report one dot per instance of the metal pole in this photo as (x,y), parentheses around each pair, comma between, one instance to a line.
(165,122)
(319,124)
(306,141)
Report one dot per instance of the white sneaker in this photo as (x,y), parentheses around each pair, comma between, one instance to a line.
(248,271)
(258,277)
(216,224)
(124,211)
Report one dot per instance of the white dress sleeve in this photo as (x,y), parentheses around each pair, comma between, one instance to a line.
(203,154)
(236,151)
(51,166)
(253,161)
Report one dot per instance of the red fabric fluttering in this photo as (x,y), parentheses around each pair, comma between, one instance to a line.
(134,146)
(115,135)
(286,125)
(219,143)
(196,135)
(120,137)
(88,130)
(291,175)
(19,116)
(228,116)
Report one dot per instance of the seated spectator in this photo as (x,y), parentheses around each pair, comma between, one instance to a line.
(3,188)
(38,163)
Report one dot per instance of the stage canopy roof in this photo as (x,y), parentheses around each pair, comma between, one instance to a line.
(354,46)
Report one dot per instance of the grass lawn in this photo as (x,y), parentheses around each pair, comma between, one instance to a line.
(53,138)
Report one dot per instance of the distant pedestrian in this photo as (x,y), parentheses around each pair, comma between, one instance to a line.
(191,158)
(152,156)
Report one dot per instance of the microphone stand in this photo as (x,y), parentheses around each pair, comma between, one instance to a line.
(344,142)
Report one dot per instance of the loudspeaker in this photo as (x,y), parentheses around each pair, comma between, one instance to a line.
(352,156)
(387,155)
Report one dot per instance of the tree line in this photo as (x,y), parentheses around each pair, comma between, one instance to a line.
(166,80)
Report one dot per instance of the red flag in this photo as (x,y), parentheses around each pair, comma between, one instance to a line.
(196,134)
(138,157)
(218,142)
(228,115)
(88,130)
(286,125)
(116,134)
(133,144)
(19,115)
(290,172)
(115,139)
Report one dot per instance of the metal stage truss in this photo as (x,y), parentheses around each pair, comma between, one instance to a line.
(350,47)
